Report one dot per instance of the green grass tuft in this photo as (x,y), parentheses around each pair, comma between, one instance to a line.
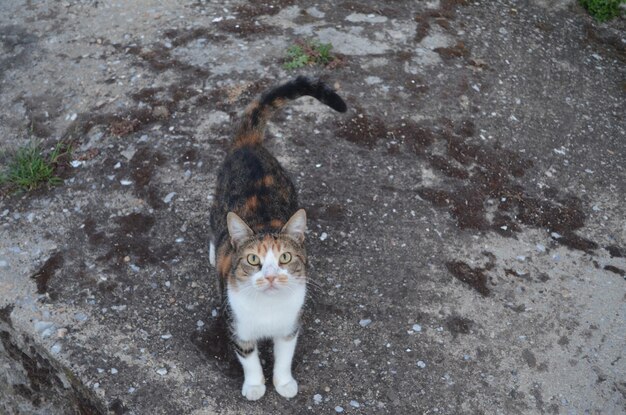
(309,52)
(29,168)
(602,10)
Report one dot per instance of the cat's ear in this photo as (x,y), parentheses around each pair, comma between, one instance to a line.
(237,229)
(296,225)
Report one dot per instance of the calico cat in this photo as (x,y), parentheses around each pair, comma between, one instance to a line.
(257,244)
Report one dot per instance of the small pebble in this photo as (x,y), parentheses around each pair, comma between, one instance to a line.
(556,235)
(81,316)
(338,409)
(131,390)
(117,166)
(126,182)
(56,348)
(100,370)
(417,328)
(162,371)
(317,398)
(323,236)
(421,364)
(62,332)
(521,258)
(4,264)
(41,326)
(199,323)
(166,336)
(355,404)
(76,163)
(168,198)
(365,322)
(540,248)
(113,371)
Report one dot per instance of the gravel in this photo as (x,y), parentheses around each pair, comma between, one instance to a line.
(365,322)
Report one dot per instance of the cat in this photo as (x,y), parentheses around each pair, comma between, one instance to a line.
(257,243)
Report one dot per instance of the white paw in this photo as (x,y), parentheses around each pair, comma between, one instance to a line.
(288,389)
(253,392)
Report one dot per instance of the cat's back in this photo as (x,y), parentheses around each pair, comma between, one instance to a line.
(253,184)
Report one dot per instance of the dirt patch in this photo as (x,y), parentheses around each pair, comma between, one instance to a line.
(571,240)
(142,167)
(474,277)
(136,223)
(181,37)
(440,16)
(490,175)
(443,165)
(458,325)
(133,242)
(457,51)
(362,129)
(159,59)
(47,271)
(244,28)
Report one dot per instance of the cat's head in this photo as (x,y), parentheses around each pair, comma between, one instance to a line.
(269,263)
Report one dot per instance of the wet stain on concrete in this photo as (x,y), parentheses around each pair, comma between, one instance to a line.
(474,277)
(614,269)
(529,358)
(614,251)
(5,314)
(47,271)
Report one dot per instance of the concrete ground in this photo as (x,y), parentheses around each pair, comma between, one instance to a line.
(467,224)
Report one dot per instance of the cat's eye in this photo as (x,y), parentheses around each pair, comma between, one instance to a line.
(253,259)
(285,258)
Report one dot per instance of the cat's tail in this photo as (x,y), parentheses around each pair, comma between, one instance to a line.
(254,119)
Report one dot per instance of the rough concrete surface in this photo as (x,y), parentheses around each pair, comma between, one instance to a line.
(467,224)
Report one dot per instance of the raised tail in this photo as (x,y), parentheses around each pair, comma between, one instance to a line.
(254,119)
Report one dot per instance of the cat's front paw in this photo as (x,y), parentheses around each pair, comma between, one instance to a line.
(253,392)
(288,389)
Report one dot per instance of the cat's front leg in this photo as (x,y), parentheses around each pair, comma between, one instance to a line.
(284,348)
(254,382)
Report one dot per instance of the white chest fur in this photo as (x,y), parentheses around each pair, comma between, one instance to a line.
(257,315)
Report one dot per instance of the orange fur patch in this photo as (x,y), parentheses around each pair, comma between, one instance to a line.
(276,223)
(252,203)
(268,180)
(248,139)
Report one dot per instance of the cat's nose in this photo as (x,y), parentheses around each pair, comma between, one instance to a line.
(270,278)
